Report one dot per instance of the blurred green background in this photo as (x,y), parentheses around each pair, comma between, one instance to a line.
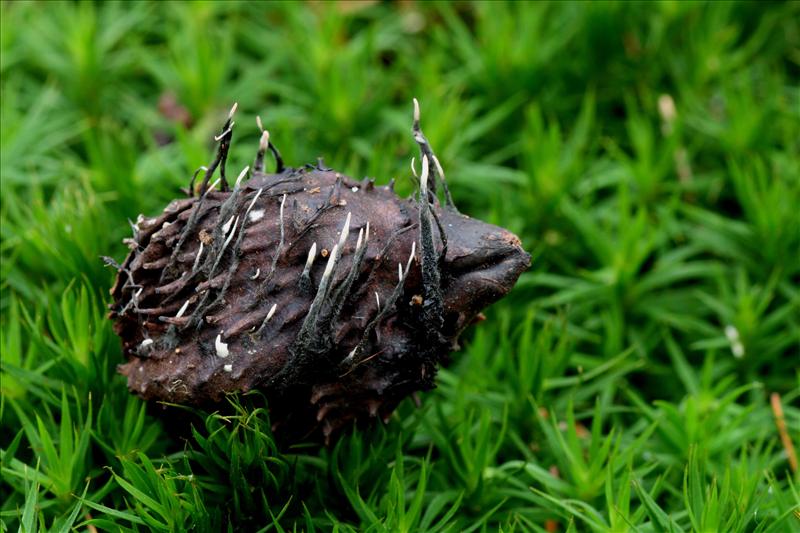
(648,154)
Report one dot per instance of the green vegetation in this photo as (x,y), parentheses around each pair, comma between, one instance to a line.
(647,154)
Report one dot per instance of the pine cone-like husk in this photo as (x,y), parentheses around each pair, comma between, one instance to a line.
(215,296)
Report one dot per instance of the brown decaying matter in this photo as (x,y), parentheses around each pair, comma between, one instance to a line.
(215,296)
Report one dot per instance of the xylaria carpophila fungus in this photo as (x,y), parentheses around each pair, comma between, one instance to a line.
(334,297)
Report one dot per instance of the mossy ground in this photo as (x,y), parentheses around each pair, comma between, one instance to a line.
(647,154)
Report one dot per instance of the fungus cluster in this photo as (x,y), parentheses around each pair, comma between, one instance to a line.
(334,297)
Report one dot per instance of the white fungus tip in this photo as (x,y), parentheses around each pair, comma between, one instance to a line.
(254,276)
(400,271)
(146,342)
(280,216)
(224,133)
(345,230)
(312,253)
(227,226)
(214,184)
(258,122)
(366,234)
(233,109)
(252,203)
(228,368)
(271,312)
(438,166)
(413,164)
(331,261)
(242,174)
(416,110)
(221,347)
(230,235)
(199,254)
(411,257)
(423,178)
(182,310)
(263,143)
(378,299)
(360,238)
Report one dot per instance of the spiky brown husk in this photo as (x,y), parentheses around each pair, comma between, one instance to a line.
(215,296)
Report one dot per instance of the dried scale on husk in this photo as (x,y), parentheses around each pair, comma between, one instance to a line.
(334,297)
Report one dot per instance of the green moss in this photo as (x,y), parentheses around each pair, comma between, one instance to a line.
(647,154)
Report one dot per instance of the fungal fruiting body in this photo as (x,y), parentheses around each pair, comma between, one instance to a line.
(334,297)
